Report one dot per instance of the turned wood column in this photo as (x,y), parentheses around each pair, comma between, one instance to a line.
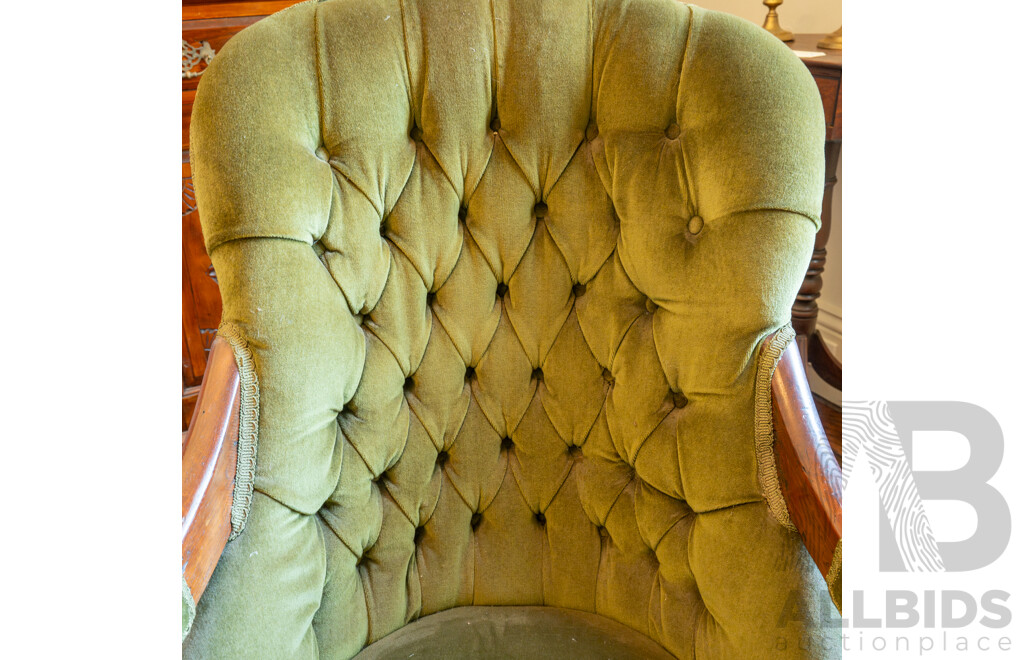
(805,309)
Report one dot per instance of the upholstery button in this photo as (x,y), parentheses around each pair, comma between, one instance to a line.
(501,290)
(540,518)
(442,458)
(591,131)
(470,373)
(695,225)
(540,210)
(537,375)
(495,124)
(408,384)
(506,444)
(462,214)
(579,289)
(651,307)
(474,522)
(602,531)
(672,132)
(575,451)
(607,375)
(416,133)
(679,400)
(418,534)
(431,296)
(383,226)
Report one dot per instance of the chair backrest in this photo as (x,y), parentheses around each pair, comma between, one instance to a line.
(504,267)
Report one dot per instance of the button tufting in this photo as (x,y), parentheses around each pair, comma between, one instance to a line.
(462,214)
(591,131)
(540,518)
(695,225)
(431,296)
(416,133)
(495,124)
(384,226)
(417,536)
(442,458)
(602,531)
(579,289)
(501,290)
(506,444)
(651,307)
(575,451)
(470,373)
(607,375)
(408,384)
(537,375)
(679,400)
(540,210)
(672,132)
(474,521)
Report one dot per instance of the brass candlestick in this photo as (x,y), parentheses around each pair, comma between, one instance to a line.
(771,21)
(833,41)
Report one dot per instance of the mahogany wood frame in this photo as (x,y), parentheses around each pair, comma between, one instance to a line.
(809,475)
(209,456)
(808,472)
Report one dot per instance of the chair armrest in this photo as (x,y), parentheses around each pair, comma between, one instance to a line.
(809,474)
(209,455)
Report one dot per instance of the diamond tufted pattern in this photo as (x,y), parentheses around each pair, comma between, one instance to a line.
(504,268)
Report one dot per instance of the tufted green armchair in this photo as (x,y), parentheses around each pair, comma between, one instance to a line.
(506,286)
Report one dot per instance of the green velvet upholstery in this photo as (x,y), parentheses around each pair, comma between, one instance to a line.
(504,267)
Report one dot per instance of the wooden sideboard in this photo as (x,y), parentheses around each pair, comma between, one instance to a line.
(205,27)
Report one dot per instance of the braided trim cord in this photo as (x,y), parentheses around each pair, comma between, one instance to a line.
(764,426)
(188,609)
(248,426)
(834,578)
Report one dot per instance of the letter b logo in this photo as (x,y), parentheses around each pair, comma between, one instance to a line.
(883,431)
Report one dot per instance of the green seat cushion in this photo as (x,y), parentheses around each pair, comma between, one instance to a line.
(514,632)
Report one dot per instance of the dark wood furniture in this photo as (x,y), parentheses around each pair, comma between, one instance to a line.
(828,74)
(205,28)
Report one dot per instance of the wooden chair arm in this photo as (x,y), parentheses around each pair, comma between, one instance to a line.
(209,454)
(809,474)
